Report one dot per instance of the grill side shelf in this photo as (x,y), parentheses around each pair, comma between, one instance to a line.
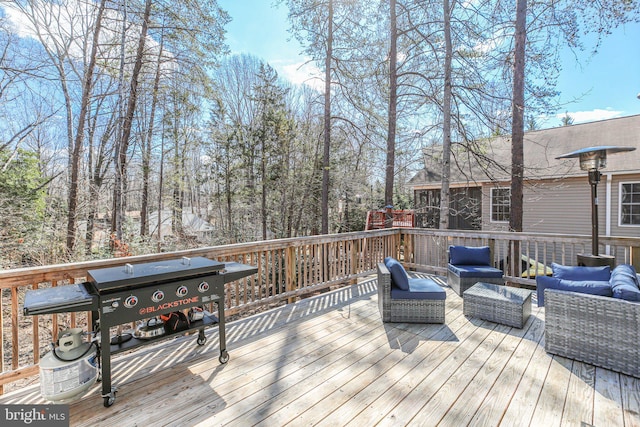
(234,271)
(59,299)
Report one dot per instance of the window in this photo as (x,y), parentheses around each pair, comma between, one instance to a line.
(500,204)
(630,203)
(465,208)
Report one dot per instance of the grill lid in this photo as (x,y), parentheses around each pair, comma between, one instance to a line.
(136,275)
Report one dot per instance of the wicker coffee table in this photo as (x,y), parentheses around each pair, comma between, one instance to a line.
(497,303)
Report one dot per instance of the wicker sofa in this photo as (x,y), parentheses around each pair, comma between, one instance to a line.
(596,327)
(598,330)
(408,306)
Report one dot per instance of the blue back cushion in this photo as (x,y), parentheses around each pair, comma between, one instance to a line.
(467,255)
(593,287)
(399,276)
(570,272)
(624,283)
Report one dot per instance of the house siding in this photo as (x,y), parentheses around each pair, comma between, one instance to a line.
(563,206)
(557,194)
(616,228)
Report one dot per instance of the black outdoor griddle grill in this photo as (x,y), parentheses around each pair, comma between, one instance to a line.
(133,292)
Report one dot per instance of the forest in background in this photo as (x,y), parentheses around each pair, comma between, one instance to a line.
(127,128)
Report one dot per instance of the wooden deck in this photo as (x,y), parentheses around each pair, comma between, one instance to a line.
(330,361)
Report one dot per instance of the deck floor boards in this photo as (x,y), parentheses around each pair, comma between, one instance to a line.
(329,360)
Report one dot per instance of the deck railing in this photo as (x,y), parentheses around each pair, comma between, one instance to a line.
(534,251)
(287,269)
(401,218)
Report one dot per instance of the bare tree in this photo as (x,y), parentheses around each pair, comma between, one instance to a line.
(313,23)
(79,138)
(517,115)
(124,140)
(446,114)
(392,111)
(327,120)
(147,143)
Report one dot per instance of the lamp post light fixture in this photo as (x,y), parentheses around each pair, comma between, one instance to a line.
(593,159)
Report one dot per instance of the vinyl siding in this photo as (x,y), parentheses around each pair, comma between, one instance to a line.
(563,206)
(616,229)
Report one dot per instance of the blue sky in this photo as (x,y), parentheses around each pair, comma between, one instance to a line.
(592,88)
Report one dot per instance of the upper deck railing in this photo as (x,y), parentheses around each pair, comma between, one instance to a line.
(287,269)
(403,218)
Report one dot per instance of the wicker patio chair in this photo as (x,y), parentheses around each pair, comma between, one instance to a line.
(406,310)
(469,265)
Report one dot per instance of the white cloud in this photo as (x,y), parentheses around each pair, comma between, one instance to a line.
(300,73)
(57,23)
(488,45)
(591,116)
(19,22)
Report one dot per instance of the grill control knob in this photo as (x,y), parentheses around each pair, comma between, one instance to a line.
(157,296)
(203,287)
(182,291)
(131,301)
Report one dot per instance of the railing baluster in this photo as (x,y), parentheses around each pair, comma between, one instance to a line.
(2,365)
(15,347)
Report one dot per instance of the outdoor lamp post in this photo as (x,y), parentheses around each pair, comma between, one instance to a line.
(593,159)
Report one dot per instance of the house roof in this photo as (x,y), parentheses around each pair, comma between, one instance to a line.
(490,159)
(191,222)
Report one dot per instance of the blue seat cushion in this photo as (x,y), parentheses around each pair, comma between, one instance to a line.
(570,272)
(399,276)
(593,287)
(624,283)
(467,255)
(420,289)
(480,271)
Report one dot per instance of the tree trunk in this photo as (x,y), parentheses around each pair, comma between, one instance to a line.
(121,157)
(263,196)
(517,131)
(77,145)
(517,128)
(160,187)
(327,122)
(94,188)
(146,155)
(446,120)
(393,101)
(177,183)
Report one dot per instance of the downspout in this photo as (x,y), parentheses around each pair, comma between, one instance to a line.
(608,208)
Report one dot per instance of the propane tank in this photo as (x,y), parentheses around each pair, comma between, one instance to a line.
(69,369)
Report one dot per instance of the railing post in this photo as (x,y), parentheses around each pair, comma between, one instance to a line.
(2,341)
(406,241)
(290,269)
(635,257)
(355,250)
(492,250)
